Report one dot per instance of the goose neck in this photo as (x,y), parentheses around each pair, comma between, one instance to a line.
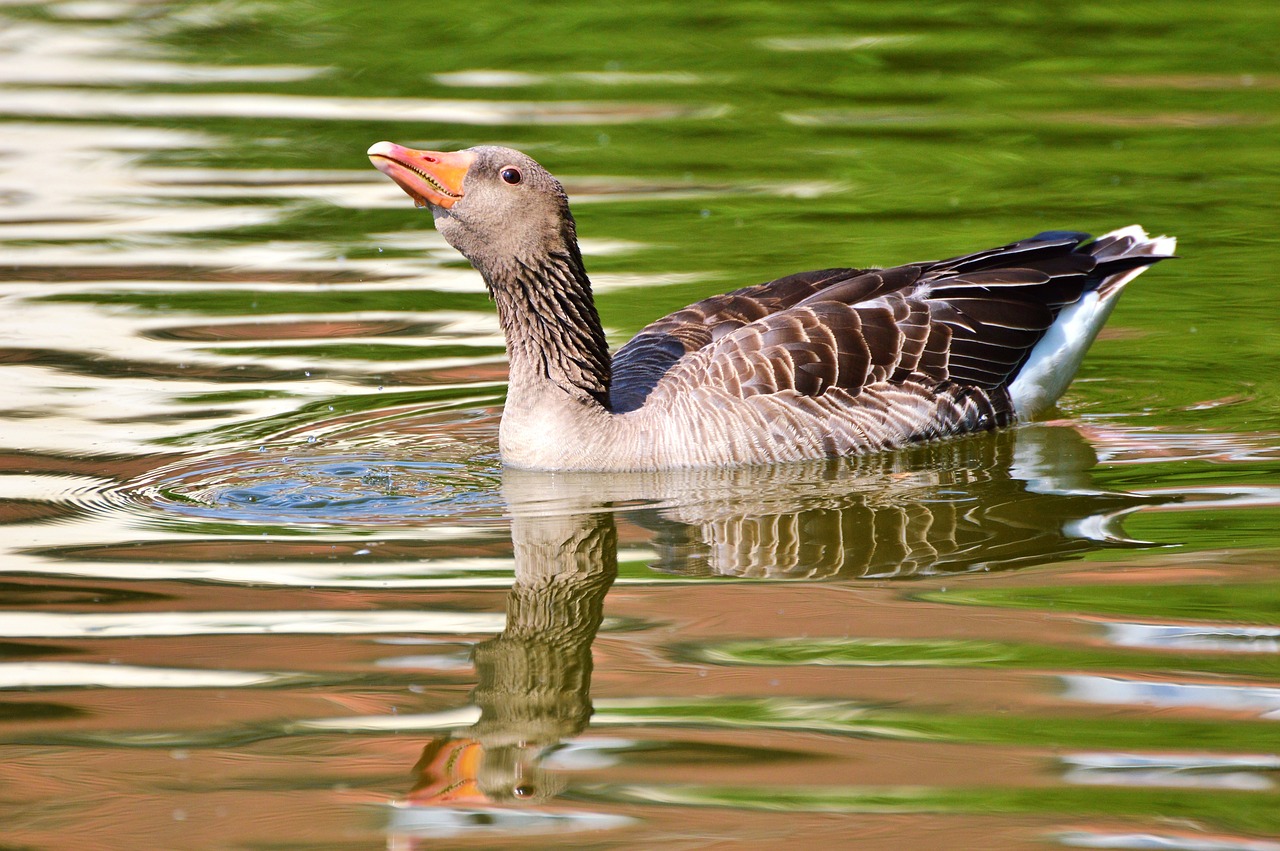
(553,332)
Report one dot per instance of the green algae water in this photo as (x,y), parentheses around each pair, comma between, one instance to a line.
(264,583)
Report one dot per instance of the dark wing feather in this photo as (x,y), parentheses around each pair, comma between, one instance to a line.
(970,320)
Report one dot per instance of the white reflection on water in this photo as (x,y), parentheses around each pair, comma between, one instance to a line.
(828,43)
(76,103)
(46,197)
(487,79)
(1225,698)
(23,675)
(443,662)
(33,54)
(444,822)
(16,624)
(385,575)
(1163,842)
(448,719)
(1199,771)
(1216,637)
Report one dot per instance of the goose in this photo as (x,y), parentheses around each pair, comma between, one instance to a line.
(815,364)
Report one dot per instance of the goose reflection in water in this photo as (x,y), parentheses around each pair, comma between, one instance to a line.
(991,502)
(996,502)
(535,677)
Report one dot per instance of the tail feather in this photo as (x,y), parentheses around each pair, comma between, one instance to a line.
(1121,255)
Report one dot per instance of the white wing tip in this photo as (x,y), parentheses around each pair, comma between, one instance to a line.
(1145,244)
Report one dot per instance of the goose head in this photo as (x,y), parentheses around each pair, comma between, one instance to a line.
(495,205)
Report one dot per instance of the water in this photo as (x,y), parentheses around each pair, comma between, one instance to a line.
(265,583)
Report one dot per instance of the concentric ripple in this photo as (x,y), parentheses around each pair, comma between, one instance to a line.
(271,487)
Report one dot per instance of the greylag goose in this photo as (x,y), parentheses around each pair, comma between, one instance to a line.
(824,363)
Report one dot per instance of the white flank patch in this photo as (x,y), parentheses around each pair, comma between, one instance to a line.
(1055,359)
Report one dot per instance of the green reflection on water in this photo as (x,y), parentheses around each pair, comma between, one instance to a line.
(1233,810)
(882,652)
(863,720)
(1251,603)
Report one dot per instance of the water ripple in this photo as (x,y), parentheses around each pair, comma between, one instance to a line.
(152,624)
(28,675)
(78,104)
(1163,841)
(1182,637)
(343,490)
(1263,701)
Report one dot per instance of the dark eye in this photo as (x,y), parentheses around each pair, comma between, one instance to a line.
(524,790)
(511,175)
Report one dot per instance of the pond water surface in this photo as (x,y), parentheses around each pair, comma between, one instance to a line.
(264,583)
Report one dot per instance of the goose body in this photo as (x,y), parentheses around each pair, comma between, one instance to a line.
(823,363)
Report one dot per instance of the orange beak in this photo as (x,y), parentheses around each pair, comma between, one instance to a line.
(428,177)
(447,773)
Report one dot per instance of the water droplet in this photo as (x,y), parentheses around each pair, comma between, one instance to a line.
(307,373)
(311,438)
(705,213)
(331,407)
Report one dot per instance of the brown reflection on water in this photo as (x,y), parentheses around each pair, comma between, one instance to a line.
(88,364)
(71,273)
(113,467)
(300,330)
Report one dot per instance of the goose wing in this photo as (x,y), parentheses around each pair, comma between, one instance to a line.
(971,320)
(640,364)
